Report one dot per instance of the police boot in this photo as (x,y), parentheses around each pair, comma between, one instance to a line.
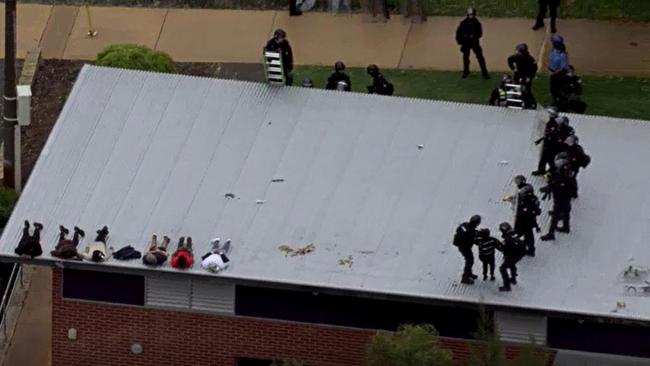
(538,172)
(473,276)
(505,288)
(467,281)
(513,280)
(547,237)
(565,229)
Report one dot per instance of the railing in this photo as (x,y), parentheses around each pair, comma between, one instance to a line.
(16,274)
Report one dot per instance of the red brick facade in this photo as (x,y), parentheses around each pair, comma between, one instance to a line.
(105,334)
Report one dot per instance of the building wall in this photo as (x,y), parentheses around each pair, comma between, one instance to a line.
(105,334)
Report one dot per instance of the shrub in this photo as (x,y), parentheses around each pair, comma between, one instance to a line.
(8,198)
(135,57)
(411,345)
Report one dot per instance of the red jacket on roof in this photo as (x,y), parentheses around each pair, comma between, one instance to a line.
(189,259)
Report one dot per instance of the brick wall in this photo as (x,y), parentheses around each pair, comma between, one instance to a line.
(105,334)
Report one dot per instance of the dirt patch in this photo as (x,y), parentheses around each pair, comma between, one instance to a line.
(53,83)
(54,80)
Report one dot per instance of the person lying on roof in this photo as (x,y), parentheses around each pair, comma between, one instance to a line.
(183,257)
(30,245)
(216,260)
(97,251)
(67,249)
(156,255)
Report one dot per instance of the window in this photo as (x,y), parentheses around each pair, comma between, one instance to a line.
(599,337)
(111,287)
(352,311)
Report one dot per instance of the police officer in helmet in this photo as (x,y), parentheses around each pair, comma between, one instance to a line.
(464,240)
(339,80)
(468,35)
(279,43)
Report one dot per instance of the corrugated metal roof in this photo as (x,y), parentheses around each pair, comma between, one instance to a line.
(144,153)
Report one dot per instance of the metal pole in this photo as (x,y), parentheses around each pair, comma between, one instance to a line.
(18,179)
(92,32)
(9,118)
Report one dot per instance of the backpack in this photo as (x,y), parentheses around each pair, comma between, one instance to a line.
(460,237)
(127,253)
(585,160)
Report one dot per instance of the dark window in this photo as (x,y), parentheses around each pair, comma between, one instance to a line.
(592,336)
(243,361)
(352,311)
(103,286)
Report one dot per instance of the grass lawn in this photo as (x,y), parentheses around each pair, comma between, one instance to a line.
(638,10)
(606,96)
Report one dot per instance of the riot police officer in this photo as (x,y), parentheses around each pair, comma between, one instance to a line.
(279,43)
(550,140)
(526,212)
(513,250)
(339,80)
(464,240)
(523,65)
(562,186)
(468,35)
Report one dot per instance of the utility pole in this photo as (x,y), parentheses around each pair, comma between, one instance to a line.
(10,114)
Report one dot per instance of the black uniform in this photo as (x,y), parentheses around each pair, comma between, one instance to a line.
(569,94)
(380,85)
(526,220)
(486,247)
(465,239)
(562,187)
(577,158)
(468,34)
(30,245)
(499,97)
(550,147)
(524,67)
(512,249)
(335,78)
(287,57)
(552,5)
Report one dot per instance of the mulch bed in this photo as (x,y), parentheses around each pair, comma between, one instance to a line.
(53,83)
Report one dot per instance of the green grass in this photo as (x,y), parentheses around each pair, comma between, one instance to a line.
(637,10)
(606,96)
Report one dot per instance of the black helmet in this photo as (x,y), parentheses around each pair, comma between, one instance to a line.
(553,112)
(571,140)
(471,12)
(307,83)
(475,220)
(372,69)
(485,232)
(522,48)
(562,156)
(519,180)
(339,66)
(505,227)
(506,79)
(279,33)
(563,120)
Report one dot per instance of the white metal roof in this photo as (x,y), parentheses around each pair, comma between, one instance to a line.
(143,153)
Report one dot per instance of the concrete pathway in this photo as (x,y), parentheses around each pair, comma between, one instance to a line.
(32,336)
(193,35)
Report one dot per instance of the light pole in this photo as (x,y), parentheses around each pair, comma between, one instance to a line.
(10,118)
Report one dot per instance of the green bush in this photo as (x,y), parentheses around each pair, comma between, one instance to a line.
(135,57)
(8,198)
(411,345)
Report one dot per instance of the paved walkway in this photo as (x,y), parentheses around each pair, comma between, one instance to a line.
(32,336)
(195,35)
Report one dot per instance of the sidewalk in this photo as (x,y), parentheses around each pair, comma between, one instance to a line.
(194,35)
(32,336)
(595,47)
